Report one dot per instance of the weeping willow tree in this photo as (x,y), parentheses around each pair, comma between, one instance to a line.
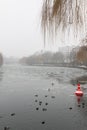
(64,14)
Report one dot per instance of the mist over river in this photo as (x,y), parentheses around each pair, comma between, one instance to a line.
(41,98)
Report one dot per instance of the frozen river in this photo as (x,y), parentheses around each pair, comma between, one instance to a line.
(41,98)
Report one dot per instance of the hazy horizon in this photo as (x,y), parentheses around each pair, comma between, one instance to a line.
(20,29)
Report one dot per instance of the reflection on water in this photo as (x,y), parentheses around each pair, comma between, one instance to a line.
(82,106)
(39,98)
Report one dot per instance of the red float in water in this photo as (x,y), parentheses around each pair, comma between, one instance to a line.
(79,91)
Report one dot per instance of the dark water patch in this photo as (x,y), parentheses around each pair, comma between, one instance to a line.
(46,95)
(73,82)
(49,89)
(40,104)
(36,95)
(46,103)
(83,103)
(6,128)
(70,108)
(44,109)
(43,122)
(37,108)
(83,106)
(52,84)
(53,97)
(79,105)
(36,100)
(1,117)
(13,114)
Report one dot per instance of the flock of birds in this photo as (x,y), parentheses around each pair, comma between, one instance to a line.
(40,103)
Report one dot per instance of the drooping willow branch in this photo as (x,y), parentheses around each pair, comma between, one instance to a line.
(62,13)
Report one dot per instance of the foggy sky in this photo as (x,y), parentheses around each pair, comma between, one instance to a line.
(20,33)
(20,27)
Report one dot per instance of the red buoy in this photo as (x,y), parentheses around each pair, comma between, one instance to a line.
(79,91)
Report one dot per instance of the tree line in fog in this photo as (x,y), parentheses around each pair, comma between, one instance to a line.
(57,58)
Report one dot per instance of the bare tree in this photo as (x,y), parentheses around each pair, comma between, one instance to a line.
(82,54)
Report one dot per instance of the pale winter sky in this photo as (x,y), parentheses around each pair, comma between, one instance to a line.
(20,33)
